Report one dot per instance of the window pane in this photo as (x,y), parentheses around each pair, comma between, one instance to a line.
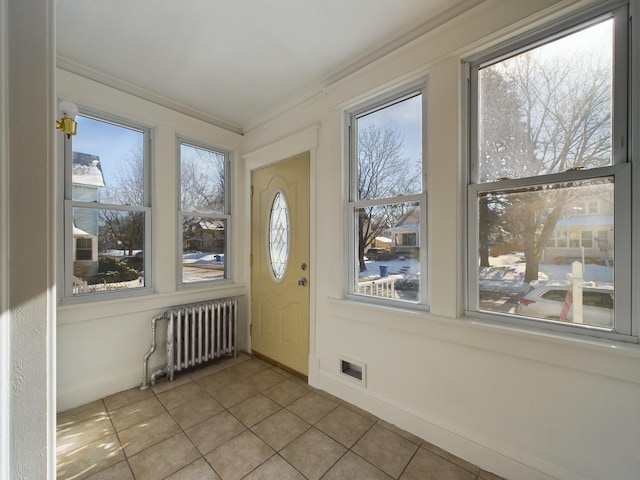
(389,151)
(119,237)
(549,109)
(388,252)
(204,242)
(202,180)
(84,248)
(279,236)
(519,268)
(108,163)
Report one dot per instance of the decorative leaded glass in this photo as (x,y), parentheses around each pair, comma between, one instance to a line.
(279,236)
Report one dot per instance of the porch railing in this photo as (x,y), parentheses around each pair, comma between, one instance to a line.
(384,287)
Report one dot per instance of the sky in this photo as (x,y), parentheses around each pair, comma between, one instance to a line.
(113,144)
(406,117)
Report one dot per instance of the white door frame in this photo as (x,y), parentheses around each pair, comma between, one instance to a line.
(295,144)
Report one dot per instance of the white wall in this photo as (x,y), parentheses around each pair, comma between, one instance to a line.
(523,404)
(27,287)
(101,345)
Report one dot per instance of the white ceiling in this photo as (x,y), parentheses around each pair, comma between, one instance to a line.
(234,62)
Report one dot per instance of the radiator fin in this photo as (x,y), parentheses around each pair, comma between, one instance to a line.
(196,333)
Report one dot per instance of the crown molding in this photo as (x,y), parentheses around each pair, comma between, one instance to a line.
(140,92)
(372,56)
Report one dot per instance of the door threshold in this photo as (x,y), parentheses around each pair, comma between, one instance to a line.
(280,365)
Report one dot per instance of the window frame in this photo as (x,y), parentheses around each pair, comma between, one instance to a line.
(353,203)
(78,248)
(226,216)
(68,206)
(620,169)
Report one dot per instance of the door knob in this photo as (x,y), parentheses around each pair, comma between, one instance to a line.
(302,282)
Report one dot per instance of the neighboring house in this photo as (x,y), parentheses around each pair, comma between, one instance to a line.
(206,236)
(87,181)
(584,230)
(381,242)
(405,234)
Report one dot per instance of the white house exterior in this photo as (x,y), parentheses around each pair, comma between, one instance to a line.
(584,231)
(88,179)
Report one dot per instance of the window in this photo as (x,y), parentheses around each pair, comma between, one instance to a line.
(84,249)
(548,168)
(387,208)
(278,237)
(203,216)
(107,209)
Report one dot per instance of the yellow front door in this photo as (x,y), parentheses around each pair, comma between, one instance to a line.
(280,265)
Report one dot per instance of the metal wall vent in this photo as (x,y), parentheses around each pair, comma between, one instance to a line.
(353,370)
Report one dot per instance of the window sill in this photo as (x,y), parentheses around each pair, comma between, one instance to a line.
(377,302)
(95,308)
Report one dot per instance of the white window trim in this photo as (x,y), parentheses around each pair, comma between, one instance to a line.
(395,96)
(68,204)
(226,217)
(624,149)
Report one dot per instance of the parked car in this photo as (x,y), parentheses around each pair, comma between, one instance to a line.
(545,299)
(376,254)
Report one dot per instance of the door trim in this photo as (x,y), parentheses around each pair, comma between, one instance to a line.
(295,144)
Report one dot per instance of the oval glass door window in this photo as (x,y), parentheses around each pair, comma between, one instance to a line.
(279,236)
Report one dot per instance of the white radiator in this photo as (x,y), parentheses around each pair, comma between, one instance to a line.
(196,334)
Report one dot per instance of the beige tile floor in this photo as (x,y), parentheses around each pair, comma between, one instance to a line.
(242,418)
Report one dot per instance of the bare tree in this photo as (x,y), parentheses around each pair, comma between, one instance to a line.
(383,172)
(503,143)
(202,188)
(124,229)
(543,116)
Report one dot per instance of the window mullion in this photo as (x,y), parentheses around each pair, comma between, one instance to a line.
(622,239)
(620,131)
(109,206)
(563,177)
(386,201)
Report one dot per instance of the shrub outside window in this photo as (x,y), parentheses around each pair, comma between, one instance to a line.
(204,218)
(107,213)
(549,173)
(387,208)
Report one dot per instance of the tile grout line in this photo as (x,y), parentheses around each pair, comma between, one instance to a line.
(227,410)
(409,462)
(243,378)
(115,431)
(182,429)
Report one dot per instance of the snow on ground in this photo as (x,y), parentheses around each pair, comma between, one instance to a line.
(199,258)
(195,258)
(506,273)
(395,267)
